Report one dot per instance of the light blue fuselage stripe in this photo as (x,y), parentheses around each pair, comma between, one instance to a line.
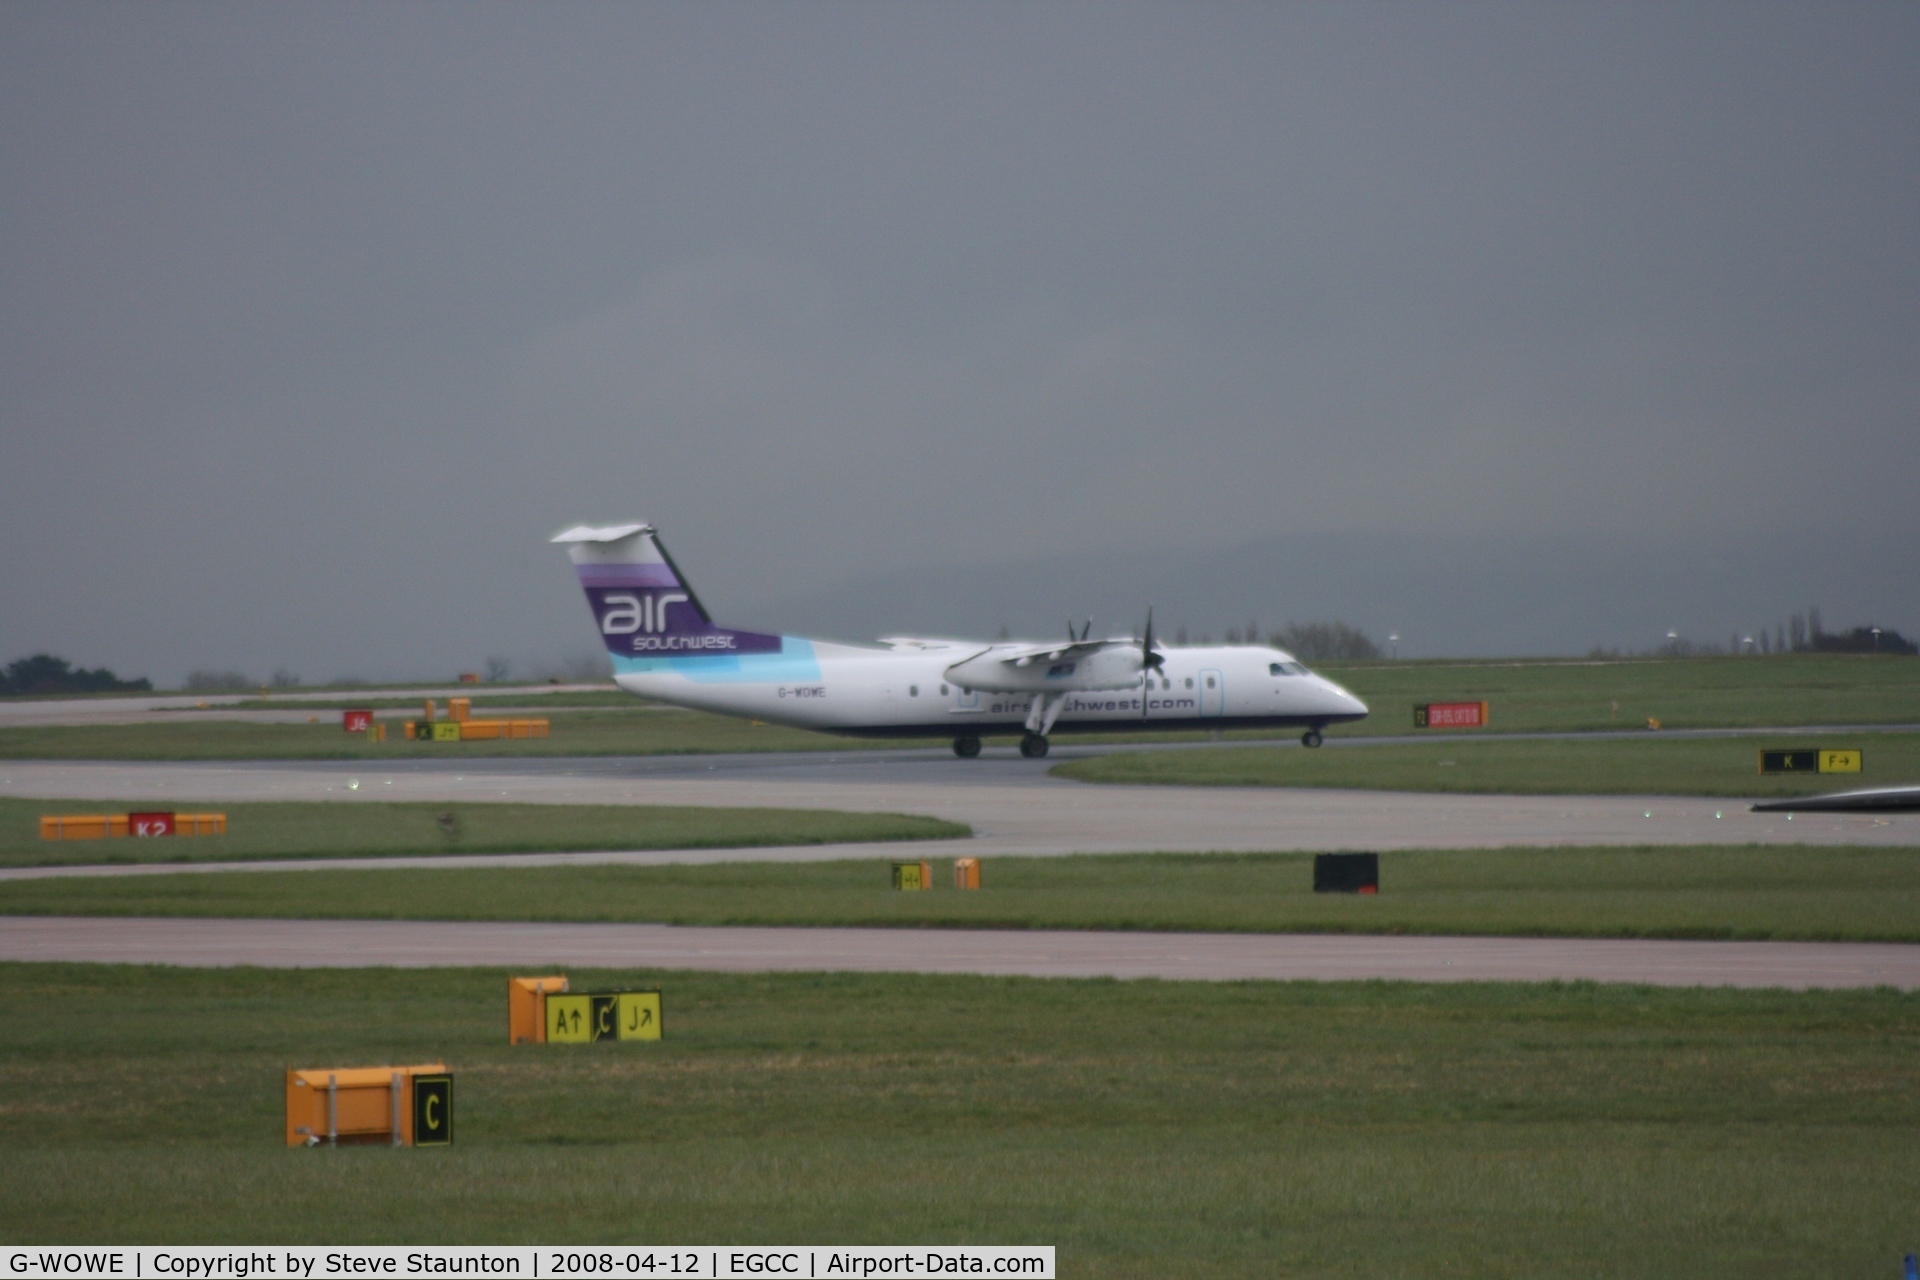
(795,663)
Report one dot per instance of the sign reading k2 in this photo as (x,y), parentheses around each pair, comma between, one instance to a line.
(150,824)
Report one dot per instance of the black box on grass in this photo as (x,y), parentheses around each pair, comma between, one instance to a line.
(1346,873)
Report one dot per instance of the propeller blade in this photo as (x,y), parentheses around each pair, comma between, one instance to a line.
(1150,662)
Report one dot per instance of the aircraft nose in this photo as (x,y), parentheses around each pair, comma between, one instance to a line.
(1344,703)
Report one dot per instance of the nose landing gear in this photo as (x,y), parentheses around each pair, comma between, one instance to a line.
(966,746)
(1033,746)
(1311,738)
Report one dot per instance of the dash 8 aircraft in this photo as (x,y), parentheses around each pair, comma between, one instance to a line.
(666,646)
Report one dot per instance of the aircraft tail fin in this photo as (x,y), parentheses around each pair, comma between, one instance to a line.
(642,604)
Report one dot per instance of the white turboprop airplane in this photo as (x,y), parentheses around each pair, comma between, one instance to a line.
(665,646)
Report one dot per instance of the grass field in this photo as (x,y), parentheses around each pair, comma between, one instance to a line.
(1550,766)
(639,729)
(1145,1128)
(484,703)
(1698,892)
(1797,689)
(373,829)
(1682,693)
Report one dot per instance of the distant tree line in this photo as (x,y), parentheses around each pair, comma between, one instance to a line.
(237,681)
(1324,641)
(43,674)
(1800,633)
(218,682)
(1804,633)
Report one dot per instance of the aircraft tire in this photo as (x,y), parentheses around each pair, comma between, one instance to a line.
(1033,746)
(1311,738)
(966,746)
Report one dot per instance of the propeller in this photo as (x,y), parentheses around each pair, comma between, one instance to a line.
(1151,661)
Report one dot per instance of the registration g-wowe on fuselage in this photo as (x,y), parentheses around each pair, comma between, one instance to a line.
(666,646)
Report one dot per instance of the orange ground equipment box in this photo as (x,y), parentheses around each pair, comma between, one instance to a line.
(527,1007)
(82,826)
(966,873)
(389,1106)
(472,729)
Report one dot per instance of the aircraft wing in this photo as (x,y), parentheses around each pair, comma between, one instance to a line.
(924,644)
(1065,651)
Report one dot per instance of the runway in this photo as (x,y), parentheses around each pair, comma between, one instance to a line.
(1054,954)
(1013,806)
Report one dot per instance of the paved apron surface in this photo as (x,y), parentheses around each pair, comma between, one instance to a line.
(1012,805)
(1016,809)
(1328,957)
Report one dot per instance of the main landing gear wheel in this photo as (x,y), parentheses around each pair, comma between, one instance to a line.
(1311,738)
(1033,746)
(966,746)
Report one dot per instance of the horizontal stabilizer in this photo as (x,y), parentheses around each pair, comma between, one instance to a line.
(602,533)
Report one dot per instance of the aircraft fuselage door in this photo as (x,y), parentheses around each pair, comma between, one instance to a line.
(1213,693)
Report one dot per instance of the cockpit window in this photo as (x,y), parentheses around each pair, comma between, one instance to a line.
(1285,669)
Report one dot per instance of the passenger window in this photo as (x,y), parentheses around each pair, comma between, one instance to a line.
(913,691)
(943,691)
(1209,682)
(1189,682)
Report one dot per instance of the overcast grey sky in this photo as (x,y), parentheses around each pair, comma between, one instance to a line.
(316,319)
